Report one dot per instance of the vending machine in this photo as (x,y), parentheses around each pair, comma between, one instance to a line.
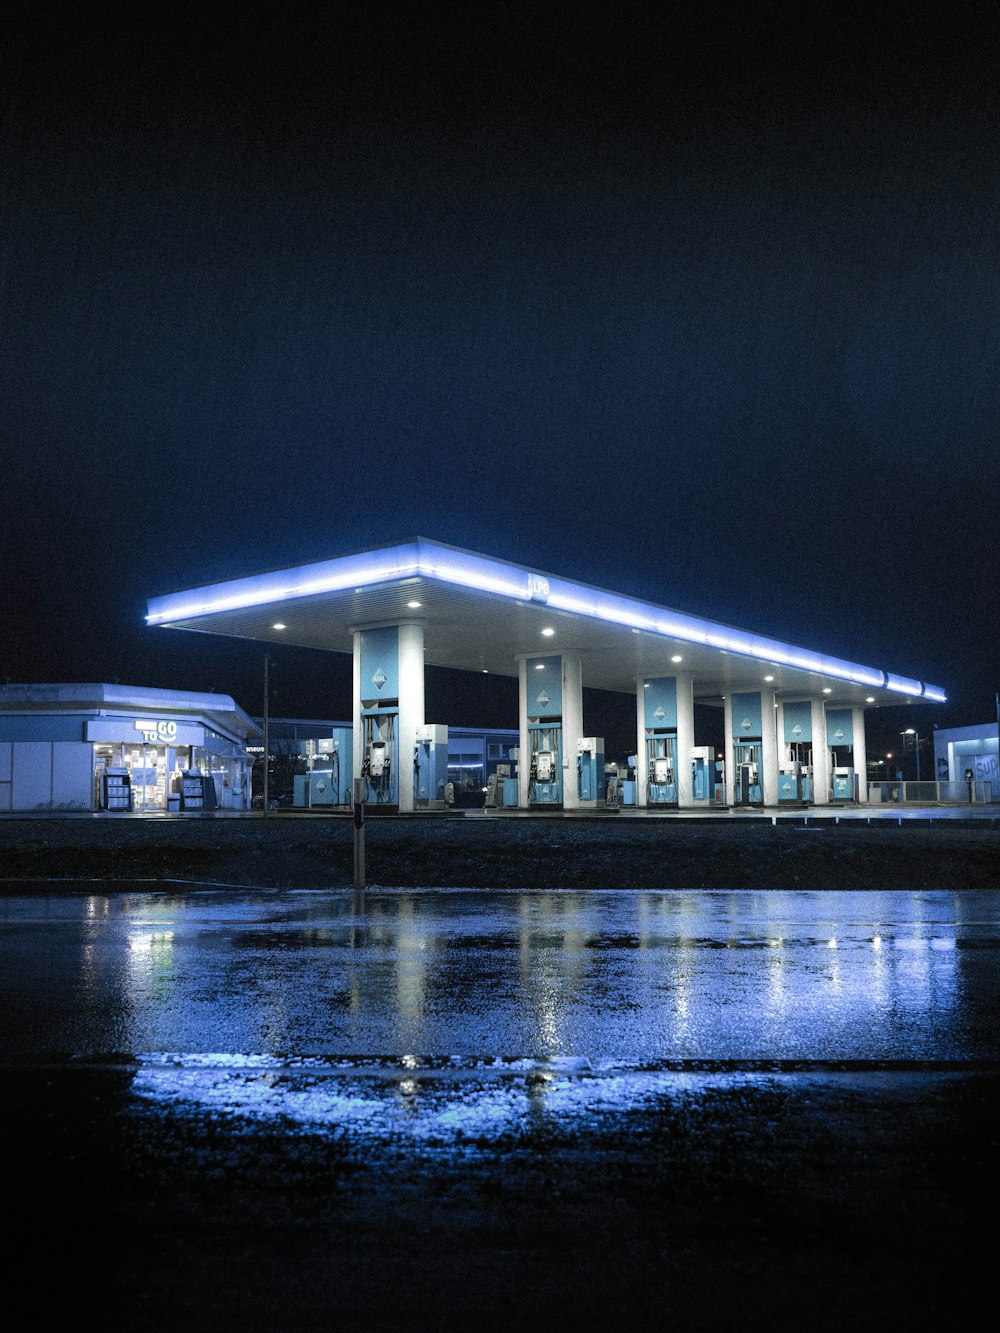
(116,789)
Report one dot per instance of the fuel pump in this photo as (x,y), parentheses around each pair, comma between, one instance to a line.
(659,715)
(790,783)
(748,789)
(840,738)
(378,764)
(590,768)
(544,687)
(377,657)
(795,775)
(845,782)
(327,776)
(430,767)
(545,776)
(702,759)
(661,770)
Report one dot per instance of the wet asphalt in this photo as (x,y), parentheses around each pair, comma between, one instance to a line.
(417,1108)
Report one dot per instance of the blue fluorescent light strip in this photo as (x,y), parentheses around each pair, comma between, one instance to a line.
(467,570)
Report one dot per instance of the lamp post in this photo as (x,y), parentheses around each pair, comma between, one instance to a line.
(910,731)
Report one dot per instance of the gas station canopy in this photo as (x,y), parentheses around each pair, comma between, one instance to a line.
(479,614)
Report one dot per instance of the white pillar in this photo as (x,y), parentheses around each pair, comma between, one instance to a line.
(572,726)
(685,740)
(411,706)
(820,753)
(641,764)
(768,748)
(860,751)
(523,752)
(779,732)
(728,750)
(358,735)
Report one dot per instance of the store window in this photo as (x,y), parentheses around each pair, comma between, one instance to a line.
(466,771)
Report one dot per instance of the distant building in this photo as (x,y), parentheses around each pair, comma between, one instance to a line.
(958,749)
(123,749)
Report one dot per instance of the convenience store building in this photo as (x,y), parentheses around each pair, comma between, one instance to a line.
(122,748)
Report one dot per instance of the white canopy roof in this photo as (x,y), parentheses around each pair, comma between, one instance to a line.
(480,614)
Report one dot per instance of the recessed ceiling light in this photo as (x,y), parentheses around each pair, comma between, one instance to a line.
(413,605)
(279,625)
(870,699)
(677,658)
(827,690)
(539,666)
(769,678)
(486,671)
(548,632)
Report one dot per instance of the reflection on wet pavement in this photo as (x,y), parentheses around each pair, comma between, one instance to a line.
(453,1105)
(603,977)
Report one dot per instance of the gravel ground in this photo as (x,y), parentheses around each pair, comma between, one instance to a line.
(491,851)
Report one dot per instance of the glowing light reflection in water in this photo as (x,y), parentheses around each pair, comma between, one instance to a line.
(603,976)
(471,1108)
(560,1004)
(612,978)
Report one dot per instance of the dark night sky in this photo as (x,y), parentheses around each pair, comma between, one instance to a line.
(703,310)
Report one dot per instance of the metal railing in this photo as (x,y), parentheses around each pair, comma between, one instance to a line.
(930,793)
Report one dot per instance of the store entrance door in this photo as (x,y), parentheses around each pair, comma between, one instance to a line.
(147,766)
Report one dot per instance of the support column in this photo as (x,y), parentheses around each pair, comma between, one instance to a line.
(357,733)
(641,762)
(523,753)
(727,749)
(779,732)
(411,706)
(820,753)
(860,751)
(685,740)
(768,748)
(572,723)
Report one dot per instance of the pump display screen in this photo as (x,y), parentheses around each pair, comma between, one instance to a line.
(544,766)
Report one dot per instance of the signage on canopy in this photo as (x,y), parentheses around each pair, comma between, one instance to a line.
(156,732)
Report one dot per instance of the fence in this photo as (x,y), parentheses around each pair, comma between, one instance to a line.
(930,793)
